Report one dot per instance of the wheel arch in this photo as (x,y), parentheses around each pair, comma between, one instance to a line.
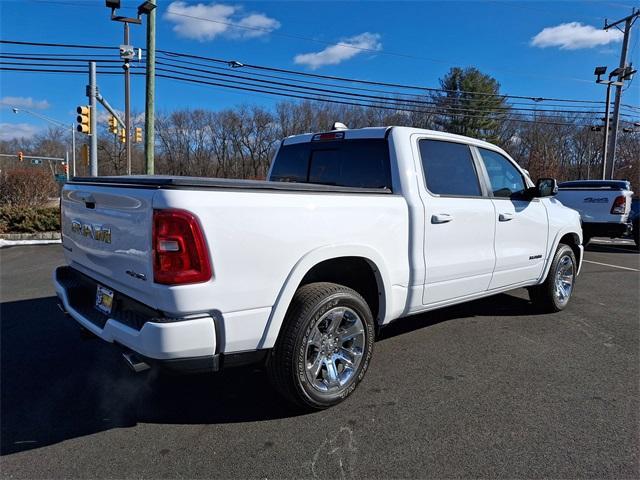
(572,239)
(324,264)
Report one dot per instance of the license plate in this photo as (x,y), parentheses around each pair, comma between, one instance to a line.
(104,299)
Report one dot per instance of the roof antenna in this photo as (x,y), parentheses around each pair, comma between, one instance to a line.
(339,126)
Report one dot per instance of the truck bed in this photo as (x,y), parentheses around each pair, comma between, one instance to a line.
(177,182)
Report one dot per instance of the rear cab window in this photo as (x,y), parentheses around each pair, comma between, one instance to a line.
(360,163)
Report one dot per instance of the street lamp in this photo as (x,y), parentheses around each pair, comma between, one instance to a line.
(61,124)
(146,8)
(127,54)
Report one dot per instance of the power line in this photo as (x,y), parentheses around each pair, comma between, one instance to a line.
(312,75)
(61,45)
(414,102)
(373,97)
(305,74)
(348,45)
(503,116)
(58,59)
(330,93)
(271,31)
(163,56)
(226,69)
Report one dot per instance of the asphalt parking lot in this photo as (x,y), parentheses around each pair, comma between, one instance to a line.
(485,389)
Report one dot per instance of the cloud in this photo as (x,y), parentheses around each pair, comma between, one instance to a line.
(207,21)
(24,102)
(344,50)
(13,131)
(575,35)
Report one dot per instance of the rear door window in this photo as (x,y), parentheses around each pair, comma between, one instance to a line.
(449,168)
(347,163)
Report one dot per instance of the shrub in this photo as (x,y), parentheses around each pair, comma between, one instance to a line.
(29,219)
(26,187)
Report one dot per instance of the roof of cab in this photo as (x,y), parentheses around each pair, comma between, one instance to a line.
(381,132)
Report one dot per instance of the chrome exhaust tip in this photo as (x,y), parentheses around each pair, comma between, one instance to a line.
(134,362)
(62,309)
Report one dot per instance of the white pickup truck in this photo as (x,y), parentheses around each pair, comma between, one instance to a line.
(604,206)
(353,229)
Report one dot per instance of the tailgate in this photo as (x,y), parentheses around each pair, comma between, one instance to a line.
(107,234)
(594,205)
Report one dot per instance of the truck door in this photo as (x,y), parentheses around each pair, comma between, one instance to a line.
(459,222)
(522,225)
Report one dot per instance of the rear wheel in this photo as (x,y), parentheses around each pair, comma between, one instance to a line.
(325,346)
(554,294)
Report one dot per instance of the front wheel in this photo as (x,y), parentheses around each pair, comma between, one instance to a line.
(554,294)
(325,346)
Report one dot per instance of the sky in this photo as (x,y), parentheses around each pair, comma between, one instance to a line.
(540,49)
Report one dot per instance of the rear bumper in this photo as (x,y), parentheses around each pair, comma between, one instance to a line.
(612,230)
(181,344)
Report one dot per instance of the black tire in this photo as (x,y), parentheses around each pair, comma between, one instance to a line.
(544,296)
(287,363)
(636,235)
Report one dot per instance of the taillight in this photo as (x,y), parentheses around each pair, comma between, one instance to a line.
(619,205)
(179,249)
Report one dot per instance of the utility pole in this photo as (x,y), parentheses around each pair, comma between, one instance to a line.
(622,75)
(127,99)
(127,53)
(73,147)
(149,118)
(605,145)
(92,91)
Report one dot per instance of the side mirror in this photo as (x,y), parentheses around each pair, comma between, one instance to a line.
(546,187)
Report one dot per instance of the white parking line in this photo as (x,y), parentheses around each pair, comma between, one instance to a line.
(619,241)
(611,247)
(614,266)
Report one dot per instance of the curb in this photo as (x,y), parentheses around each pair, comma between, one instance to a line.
(42,238)
(30,236)
(14,243)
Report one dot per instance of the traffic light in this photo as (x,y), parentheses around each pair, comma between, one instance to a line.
(138,135)
(20,156)
(65,168)
(123,135)
(84,119)
(113,124)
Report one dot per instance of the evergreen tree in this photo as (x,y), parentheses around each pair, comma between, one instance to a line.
(471,104)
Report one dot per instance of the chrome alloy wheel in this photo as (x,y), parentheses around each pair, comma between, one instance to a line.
(334,349)
(564,279)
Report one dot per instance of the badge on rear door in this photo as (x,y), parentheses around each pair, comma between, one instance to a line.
(104,299)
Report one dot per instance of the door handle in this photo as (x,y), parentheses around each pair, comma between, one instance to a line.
(505,217)
(441,218)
